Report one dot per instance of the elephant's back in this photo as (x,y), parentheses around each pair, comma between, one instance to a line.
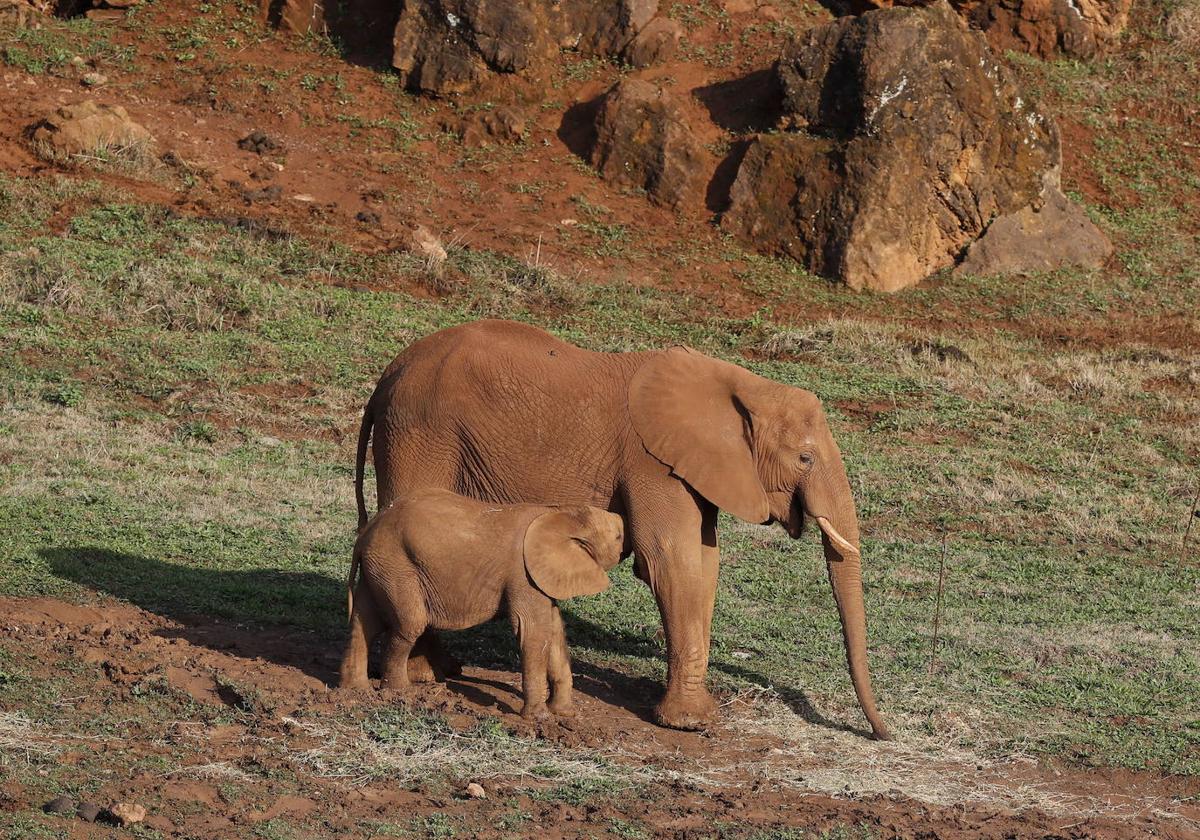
(504,411)
(502,364)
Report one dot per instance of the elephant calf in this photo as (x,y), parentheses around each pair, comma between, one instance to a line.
(441,561)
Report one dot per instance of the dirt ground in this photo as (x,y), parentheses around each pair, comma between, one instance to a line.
(222,761)
(115,651)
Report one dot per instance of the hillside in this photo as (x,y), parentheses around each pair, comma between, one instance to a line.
(192,323)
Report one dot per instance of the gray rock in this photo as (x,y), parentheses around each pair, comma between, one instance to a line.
(1057,234)
(60,805)
(88,811)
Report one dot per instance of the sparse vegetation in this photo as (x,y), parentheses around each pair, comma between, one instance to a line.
(179,396)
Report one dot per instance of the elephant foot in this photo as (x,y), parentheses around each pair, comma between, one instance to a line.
(444,664)
(694,711)
(421,670)
(536,712)
(433,665)
(565,709)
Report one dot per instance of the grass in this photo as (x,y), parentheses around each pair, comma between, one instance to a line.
(179,405)
(49,49)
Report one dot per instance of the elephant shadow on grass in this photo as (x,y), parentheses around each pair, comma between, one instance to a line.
(297,619)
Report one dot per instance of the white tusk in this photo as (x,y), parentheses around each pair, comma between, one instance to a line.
(844,545)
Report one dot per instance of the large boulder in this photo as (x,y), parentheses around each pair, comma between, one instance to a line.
(89,127)
(1045,28)
(904,140)
(18,14)
(445,47)
(1038,237)
(644,141)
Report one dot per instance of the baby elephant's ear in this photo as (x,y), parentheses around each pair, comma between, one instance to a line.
(558,558)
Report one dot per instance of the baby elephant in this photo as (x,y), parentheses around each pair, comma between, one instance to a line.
(442,561)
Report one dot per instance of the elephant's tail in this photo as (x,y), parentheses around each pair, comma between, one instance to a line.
(360,464)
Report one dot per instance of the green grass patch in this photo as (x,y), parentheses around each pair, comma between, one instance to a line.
(178,403)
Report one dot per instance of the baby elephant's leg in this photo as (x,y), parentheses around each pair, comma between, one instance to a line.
(407,617)
(561,701)
(364,626)
(533,624)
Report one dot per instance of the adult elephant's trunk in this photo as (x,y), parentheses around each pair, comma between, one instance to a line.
(844,559)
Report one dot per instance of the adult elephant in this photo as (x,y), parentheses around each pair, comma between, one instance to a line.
(503,412)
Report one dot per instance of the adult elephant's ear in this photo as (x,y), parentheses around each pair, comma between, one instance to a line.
(558,559)
(690,412)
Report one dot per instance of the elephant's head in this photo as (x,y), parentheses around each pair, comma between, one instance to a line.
(569,550)
(763,452)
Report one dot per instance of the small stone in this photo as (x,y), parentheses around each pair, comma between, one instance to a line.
(127,813)
(268,194)
(505,125)
(267,440)
(78,61)
(59,805)
(367,217)
(259,142)
(94,79)
(476,791)
(428,246)
(88,811)
(304,197)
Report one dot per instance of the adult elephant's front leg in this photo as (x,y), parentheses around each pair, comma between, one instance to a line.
(679,556)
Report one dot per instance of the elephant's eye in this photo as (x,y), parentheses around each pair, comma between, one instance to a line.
(806,458)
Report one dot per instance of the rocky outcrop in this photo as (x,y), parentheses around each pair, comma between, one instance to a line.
(904,140)
(643,141)
(657,43)
(446,47)
(17,14)
(298,17)
(87,128)
(1040,237)
(1045,28)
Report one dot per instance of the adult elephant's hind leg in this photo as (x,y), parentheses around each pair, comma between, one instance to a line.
(681,559)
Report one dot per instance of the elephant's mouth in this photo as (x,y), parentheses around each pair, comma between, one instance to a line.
(795,521)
